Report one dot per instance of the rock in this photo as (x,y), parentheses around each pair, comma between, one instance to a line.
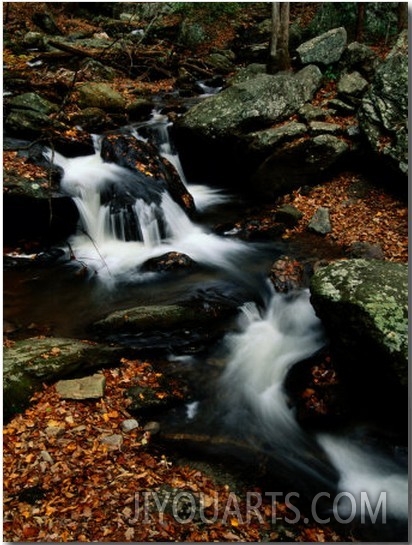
(129,425)
(261,100)
(153,427)
(360,57)
(365,250)
(341,106)
(139,109)
(155,172)
(288,214)
(384,111)
(247,73)
(46,22)
(161,317)
(324,49)
(322,127)
(172,261)
(312,113)
(29,363)
(27,123)
(35,40)
(95,71)
(217,128)
(93,120)
(352,86)
(297,163)
(82,388)
(113,442)
(263,142)
(219,63)
(320,222)
(100,95)
(363,305)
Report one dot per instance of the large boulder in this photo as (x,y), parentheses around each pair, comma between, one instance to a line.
(384,111)
(260,101)
(209,135)
(295,163)
(324,49)
(364,307)
(29,363)
(100,95)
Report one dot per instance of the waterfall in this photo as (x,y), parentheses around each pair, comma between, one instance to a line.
(125,220)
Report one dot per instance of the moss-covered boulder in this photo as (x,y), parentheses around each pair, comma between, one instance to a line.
(29,363)
(364,307)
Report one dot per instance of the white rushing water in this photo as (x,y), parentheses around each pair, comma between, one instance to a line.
(256,405)
(160,227)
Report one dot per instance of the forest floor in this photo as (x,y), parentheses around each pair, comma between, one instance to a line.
(63,481)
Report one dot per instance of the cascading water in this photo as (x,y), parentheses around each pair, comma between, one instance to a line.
(123,224)
(125,220)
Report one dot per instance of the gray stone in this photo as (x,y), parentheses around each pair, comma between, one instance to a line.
(341,106)
(312,113)
(129,425)
(160,317)
(320,221)
(324,49)
(364,307)
(82,388)
(35,40)
(352,85)
(296,163)
(113,442)
(262,100)
(288,214)
(247,73)
(360,57)
(384,111)
(264,141)
(100,95)
(34,102)
(321,127)
(31,362)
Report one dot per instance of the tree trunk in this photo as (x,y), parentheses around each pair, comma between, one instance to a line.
(279,58)
(360,22)
(402,16)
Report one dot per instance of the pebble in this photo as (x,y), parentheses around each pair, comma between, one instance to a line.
(129,425)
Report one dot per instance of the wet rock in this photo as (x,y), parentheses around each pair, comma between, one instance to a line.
(341,106)
(320,221)
(35,40)
(172,261)
(161,317)
(364,307)
(143,157)
(95,71)
(324,49)
(34,102)
(139,109)
(312,113)
(82,388)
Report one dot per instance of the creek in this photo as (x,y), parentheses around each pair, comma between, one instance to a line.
(243,397)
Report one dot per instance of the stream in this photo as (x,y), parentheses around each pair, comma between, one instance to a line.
(245,397)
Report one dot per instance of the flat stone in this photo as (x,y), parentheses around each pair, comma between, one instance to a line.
(82,388)
(129,425)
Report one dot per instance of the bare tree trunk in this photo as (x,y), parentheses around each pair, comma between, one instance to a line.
(279,58)
(402,16)
(360,22)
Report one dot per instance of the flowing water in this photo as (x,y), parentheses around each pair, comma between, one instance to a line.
(273,333)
